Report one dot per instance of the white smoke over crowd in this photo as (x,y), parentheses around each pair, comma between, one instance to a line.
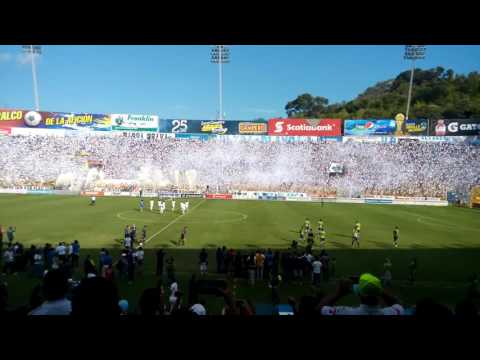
(409,169)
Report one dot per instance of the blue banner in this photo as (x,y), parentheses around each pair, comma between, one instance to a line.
(217,127)
(369,127)
(194,136)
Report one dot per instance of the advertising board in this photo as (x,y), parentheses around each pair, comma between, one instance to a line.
(129,122)
(455,127)
(216,127)
(305,127)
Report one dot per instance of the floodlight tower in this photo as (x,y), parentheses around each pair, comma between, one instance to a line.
(220,56)
(413,52)
(34,50)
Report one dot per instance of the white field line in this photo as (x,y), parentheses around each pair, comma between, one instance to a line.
(174,221)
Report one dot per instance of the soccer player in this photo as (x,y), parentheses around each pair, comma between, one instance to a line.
(356,237)
(320,227)
(396,236)
(159,202)
(187,204)
(173,205)
(162,207)
(127,242)
(357,226)
(310,238)
(152,203)
(183,236)
(182,207)
(322,237)
(142,205)
(92,202)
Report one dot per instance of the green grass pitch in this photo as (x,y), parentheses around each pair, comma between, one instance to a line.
(446,240)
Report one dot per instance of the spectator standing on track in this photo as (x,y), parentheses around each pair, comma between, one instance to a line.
(259,264)
(55,288)
(412,270)
(203,260)
(8,261)
(89,266)
(170,270)
(219,259)
(387,275)
(332,267)
(75,253)
(251,268)
(160,254)
(139,259)
(38,267)
(276,263)
(268,264)
(325,259)
(61,251)
(317,271)
(11,234)
(130,267)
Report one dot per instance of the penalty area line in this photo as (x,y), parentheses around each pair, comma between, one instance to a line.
(173,222)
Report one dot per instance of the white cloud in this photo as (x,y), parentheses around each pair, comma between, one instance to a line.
(4,57)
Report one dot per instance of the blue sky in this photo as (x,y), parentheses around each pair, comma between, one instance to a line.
(180,81)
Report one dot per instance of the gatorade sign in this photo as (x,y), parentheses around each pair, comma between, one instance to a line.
(305,127)
(454,127)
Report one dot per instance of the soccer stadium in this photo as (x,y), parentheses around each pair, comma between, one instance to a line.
(313,214)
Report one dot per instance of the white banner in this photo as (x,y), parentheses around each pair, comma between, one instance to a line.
(129,122)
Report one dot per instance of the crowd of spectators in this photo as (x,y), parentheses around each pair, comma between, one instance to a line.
(403,169)
(65,288)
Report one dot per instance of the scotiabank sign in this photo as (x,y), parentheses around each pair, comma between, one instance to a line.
(305,127)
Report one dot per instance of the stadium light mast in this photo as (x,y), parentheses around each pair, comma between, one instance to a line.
(220,56)
(413,52)
(33,50)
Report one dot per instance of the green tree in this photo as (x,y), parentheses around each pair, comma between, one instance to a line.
(306,105)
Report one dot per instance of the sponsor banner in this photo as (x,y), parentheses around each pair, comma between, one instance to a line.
(53,120)
(129,122)
(40,192)
(252,128)
(91,193)
(218,127)
(421,202)
(146,135)
(220,196)
(371,139)
(369,127)
(13,191)
(447,139)
(203,137)
(378,201)
(65,192)
(412,127)
(305,127)
(10,119)
(455,127)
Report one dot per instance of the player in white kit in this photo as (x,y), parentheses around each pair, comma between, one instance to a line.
(162,207)
(173,205)
(186,205)
(159,205)
(152,202)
